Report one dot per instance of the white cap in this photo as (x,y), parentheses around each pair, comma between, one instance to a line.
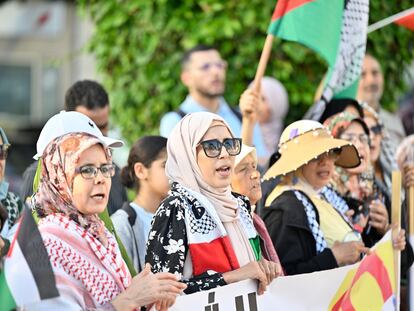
(67,122)
(245,151)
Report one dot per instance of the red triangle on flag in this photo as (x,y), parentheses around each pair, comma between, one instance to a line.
(284,6)
(406,21)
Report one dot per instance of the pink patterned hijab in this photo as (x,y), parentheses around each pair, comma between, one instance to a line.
(54,195)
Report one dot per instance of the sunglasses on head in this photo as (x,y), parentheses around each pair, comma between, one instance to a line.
(3,151)
(212,148)
(376,129)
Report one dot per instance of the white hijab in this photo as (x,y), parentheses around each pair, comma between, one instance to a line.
(182,167)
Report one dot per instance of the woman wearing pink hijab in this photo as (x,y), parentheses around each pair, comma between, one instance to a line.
(202,232)
(89,270)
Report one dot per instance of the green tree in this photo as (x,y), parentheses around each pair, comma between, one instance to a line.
(138,45)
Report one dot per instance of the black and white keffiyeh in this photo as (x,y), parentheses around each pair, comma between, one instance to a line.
(313,224)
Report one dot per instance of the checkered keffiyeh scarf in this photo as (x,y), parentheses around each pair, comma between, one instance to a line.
(75,252)
(313,224)
(335,200)
(204,224)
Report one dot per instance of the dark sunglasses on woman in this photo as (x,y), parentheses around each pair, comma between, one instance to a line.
(212,147)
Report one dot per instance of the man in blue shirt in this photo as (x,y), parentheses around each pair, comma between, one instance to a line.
(204,74)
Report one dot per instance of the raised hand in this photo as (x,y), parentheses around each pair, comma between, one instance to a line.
(249,104)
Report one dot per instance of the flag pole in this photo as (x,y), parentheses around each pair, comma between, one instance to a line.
(264,58)
(247,132)
(386,21)
(396,219)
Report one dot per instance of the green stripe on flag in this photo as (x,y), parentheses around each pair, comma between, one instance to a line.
(7,302)
(316,24)
(255,244)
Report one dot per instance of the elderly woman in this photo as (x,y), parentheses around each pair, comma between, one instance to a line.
(202,232)
(307,231)
(246,181)
(74,187)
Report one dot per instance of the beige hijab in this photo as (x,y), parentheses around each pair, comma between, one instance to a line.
(182,167)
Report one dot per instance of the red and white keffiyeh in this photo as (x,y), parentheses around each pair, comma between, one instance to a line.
(75,252)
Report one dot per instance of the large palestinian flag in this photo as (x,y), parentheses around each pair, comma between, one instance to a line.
(336,30)
(27,275)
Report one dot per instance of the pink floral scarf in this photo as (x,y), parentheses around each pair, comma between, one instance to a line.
(54,195)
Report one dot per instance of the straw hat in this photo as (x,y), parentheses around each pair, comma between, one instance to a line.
(305,140)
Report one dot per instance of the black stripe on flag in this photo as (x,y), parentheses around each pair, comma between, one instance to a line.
(34,251)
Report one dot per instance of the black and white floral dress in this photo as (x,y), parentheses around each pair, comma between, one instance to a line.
(168,244)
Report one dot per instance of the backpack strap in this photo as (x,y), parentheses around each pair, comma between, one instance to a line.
(132,215)
(236,112)
(180,113)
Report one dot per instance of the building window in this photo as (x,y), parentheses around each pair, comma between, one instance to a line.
(15,89)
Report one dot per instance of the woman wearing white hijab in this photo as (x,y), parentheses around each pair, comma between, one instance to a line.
(201,231)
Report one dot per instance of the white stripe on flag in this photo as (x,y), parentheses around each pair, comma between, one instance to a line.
(19,278)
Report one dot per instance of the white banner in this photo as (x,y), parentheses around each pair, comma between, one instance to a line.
(368,285)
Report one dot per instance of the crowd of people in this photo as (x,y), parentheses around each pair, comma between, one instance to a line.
(224,195)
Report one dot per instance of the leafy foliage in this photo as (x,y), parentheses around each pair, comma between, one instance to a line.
(138,45)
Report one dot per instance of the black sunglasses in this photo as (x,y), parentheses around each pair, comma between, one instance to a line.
(376,129)
(4,151)
(212,148)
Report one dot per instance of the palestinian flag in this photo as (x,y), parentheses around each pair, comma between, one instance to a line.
(314,23)
(336,30)
(27,275)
